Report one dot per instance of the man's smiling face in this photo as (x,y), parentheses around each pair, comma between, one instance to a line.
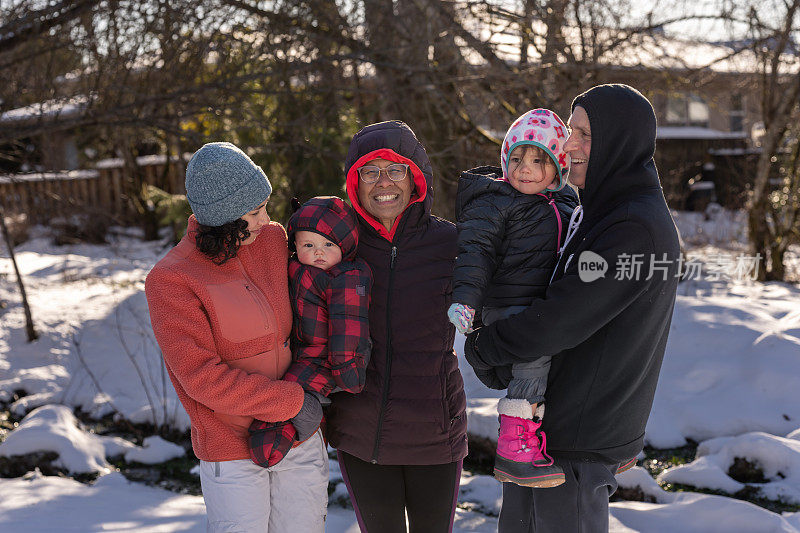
(578,146)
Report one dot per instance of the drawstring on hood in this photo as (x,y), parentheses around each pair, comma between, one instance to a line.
(575,220)
(330,217)
(541,128)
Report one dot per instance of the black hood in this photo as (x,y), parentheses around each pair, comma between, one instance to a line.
(623,129)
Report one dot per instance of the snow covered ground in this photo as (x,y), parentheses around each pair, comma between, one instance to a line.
(730,381)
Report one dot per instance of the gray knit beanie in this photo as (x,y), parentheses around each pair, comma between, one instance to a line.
(222,184)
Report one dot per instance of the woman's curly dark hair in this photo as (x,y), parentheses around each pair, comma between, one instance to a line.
(221,243)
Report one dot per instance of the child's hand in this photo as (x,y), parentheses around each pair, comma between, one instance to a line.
(461,316)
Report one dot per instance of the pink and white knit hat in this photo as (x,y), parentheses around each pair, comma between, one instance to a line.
(542,128)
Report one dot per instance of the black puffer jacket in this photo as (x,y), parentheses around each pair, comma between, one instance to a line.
(412,408)
(507,241)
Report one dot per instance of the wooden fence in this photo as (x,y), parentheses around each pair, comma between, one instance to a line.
(106,190)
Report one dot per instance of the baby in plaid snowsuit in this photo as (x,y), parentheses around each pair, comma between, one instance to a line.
(329,289)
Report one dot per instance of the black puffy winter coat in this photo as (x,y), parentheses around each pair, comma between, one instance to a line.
(412,408)
(507,240)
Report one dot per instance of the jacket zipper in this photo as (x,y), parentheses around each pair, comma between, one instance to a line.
(552,201)
(558,219)
(249,286)
(266,309)
(385,398)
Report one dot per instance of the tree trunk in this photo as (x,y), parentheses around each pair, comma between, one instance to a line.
(380,21)
(29,329)
(759,235)
(777,271)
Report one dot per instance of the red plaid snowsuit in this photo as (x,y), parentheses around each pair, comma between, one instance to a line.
(330,333)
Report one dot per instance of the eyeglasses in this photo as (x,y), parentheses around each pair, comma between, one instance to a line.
(371,173)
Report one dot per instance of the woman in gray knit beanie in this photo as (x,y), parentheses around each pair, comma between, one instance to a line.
(228,195)
(220,310)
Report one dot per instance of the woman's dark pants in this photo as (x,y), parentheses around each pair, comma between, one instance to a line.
(383,495)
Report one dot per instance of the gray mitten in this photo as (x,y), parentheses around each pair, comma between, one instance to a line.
(308,419)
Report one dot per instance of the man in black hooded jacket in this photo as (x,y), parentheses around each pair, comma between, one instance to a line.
(606,329)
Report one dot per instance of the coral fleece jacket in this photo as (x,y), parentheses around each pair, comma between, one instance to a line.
(224,332)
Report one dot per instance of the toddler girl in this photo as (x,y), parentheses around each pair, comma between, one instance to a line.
(511,222)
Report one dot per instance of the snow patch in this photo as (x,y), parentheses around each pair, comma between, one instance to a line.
(777,457)
(53,428)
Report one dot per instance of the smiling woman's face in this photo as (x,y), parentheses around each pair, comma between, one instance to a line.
(385,199)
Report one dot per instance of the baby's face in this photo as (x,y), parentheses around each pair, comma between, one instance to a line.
(530,170)
(315,250)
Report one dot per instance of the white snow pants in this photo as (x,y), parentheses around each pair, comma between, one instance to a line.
(292,496)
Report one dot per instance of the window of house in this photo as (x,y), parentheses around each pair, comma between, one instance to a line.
(676,111)
(687,110)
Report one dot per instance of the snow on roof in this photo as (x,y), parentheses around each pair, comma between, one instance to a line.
(734,151)
(142,161)
(696,132)
(49,176)
(57,108)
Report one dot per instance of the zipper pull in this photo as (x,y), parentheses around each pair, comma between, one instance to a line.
(394,256)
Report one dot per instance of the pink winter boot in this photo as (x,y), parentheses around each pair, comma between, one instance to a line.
(521,455)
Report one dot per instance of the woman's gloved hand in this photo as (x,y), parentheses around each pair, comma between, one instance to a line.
(309,418)
(461,316)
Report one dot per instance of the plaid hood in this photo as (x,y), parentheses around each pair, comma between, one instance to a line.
(330,217)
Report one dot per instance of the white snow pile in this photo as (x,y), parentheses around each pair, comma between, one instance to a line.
(777,457)
(715,226)
(112,503)
(483,494)
(689,512)
(692,512)
(731,365)
(53,428)
(96,348)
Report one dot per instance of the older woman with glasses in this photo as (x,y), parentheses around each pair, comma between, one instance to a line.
(401,441)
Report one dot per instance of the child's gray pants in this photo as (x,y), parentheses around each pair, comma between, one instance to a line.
(529,379)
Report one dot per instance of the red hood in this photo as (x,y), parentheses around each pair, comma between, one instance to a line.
(352,187)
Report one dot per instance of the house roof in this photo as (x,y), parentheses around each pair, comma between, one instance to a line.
(49,176)
(51,109)
(696,132)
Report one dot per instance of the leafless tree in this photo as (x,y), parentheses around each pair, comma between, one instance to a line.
(30,330)
(773,211)
(292,81)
